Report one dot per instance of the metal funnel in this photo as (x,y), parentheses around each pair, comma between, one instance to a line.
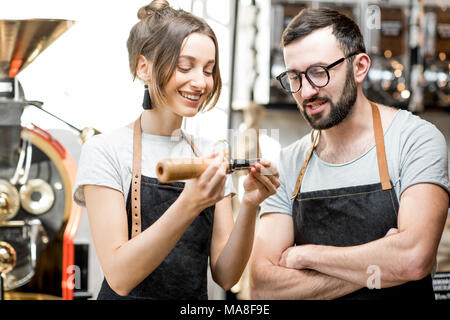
(21,41)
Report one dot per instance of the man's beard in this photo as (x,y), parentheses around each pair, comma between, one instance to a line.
(338,111)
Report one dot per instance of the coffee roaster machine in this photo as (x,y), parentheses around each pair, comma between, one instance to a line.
(38,219)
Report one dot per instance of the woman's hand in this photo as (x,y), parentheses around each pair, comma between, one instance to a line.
(261,182)
(209,188)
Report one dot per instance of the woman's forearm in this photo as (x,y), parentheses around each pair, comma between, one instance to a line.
(230,265)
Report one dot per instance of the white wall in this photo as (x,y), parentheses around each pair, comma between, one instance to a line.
(83,77)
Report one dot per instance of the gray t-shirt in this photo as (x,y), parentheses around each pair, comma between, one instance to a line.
(107,159)
(416,152)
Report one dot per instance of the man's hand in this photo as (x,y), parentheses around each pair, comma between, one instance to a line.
(391,232)
(292,257)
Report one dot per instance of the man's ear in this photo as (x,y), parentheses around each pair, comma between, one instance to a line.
(361,66)
(143,68)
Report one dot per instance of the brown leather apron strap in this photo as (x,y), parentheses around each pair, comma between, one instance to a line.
(193,147)
(305,164)
(381,154)
(381,151)
(136,179)
(258,148)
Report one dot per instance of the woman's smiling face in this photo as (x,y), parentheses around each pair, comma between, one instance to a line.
(192,80)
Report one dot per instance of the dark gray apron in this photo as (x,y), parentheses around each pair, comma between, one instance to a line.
(183,273)
(352,216)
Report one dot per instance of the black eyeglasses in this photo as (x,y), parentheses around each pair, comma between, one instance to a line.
(317,76)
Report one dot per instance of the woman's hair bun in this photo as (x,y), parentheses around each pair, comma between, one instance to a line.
(150,9)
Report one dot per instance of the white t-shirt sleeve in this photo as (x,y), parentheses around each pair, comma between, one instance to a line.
(97,166)
(424,157)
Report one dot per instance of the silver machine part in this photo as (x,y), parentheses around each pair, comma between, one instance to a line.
(20,235)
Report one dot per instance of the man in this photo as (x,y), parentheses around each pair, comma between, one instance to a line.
(364,197)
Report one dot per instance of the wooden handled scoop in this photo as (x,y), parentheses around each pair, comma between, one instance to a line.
(169,170)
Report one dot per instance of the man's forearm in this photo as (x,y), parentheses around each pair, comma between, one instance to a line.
(275,283)
(383,259)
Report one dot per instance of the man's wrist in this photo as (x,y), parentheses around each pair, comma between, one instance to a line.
(305,259)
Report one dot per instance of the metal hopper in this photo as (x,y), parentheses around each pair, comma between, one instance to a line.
(21,41)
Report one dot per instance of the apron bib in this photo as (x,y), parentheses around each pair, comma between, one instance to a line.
(183,273)
(352,216)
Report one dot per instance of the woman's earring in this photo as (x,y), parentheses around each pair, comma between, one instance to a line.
(147,103)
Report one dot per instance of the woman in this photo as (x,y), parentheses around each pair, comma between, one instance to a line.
(154,240)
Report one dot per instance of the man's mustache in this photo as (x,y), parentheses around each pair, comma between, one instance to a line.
(314,99)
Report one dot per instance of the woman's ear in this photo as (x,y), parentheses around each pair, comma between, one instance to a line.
(361,66)
(143,68)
